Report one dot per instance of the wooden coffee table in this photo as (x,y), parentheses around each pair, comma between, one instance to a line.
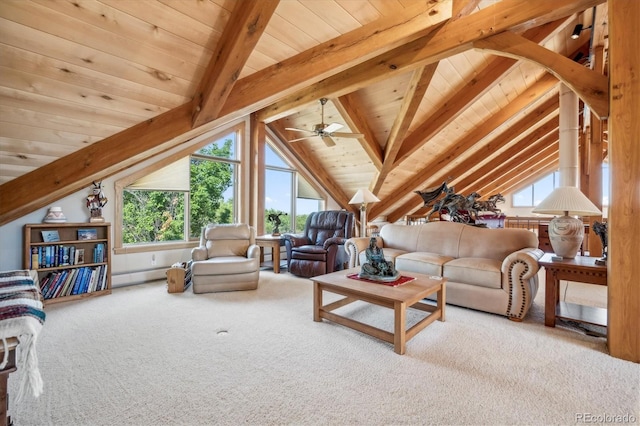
(408,295)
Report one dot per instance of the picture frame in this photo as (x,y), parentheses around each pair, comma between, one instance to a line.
(79,257)
(87,234)
(50,236)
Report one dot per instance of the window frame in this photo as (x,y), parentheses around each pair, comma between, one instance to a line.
(291,168)
(190,242)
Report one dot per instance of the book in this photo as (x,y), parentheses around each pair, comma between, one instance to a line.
(79,257)
(87,234)
(35,262)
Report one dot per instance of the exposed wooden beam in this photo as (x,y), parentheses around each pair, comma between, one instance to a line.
(483,82)
(463,8)
(546,83)
(445,40)
(348,108)
(333,56)
(71,173)
(592,87)
(241,34)
(436,176)
(518,169)
(531,171)
(623,267)
(418,86)
(509,159)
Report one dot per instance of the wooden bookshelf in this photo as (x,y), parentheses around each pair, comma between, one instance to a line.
(61,258)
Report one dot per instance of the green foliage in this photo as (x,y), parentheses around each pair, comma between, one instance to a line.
(152,216)
(155,216)
(301,220)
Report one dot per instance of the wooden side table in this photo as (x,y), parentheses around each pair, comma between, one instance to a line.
(582,269)
(275,242)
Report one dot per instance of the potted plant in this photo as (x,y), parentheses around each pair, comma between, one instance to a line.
(275,220)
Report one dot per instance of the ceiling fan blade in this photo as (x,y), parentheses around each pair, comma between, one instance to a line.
(347,135)
(303,138)
(298,130)
(332,127)
(328,141)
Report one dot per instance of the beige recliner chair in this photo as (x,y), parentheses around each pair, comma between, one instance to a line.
(226,260)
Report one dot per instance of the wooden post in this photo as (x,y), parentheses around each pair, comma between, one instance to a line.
(624,153)
(257,166)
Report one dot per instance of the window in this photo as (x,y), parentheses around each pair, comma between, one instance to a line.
(532,195)
(288,192)
(172,204)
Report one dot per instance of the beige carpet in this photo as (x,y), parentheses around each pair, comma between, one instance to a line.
(142,356)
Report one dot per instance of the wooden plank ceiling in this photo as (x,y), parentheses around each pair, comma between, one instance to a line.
(123,80)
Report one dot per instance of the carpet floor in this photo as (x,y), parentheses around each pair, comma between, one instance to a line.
(142,356)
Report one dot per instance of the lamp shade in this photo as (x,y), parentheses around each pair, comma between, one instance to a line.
(569,200)
(363,196)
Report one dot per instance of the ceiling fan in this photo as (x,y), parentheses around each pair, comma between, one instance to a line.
(326,131)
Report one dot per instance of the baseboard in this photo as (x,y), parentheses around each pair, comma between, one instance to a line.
(138,277)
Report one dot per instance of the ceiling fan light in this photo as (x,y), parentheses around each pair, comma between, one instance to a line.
(576,31)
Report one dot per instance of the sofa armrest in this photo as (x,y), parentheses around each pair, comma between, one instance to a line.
(520,280)
(199,253)
(354,246)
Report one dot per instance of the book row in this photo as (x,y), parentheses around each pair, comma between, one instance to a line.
(69,282)
(63,255)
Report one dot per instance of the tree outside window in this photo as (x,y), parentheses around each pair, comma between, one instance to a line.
(174,203)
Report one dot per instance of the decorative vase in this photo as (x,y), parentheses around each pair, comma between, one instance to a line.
(566,234)
(55,215)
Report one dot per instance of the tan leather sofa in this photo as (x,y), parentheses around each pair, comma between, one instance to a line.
(491,270)
(226,260)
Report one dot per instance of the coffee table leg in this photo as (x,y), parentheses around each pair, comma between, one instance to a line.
(442,300)
(317,301)
(400,328)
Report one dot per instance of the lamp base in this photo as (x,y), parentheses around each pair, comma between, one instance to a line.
(566,234)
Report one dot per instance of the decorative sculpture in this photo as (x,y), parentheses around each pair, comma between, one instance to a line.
(377,268)
(276,221)
(489,205)
(600,229)
(95,202)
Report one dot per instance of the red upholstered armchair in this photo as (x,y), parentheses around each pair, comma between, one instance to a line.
(320,248)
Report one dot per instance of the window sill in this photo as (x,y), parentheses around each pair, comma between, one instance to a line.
(143,248)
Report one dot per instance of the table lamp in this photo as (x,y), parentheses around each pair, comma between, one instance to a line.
(565,232)
(363,197)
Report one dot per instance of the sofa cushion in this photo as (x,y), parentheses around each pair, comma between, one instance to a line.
(225,265)
(422,262)
(474,270)
(216,248)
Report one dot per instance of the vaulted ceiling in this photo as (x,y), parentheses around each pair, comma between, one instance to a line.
(464,91)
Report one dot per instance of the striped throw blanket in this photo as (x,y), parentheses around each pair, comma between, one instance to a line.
(21,316)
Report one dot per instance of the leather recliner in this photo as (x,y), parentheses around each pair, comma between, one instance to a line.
(319,249)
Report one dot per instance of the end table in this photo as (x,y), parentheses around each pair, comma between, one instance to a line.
(275,242)
(582,269)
